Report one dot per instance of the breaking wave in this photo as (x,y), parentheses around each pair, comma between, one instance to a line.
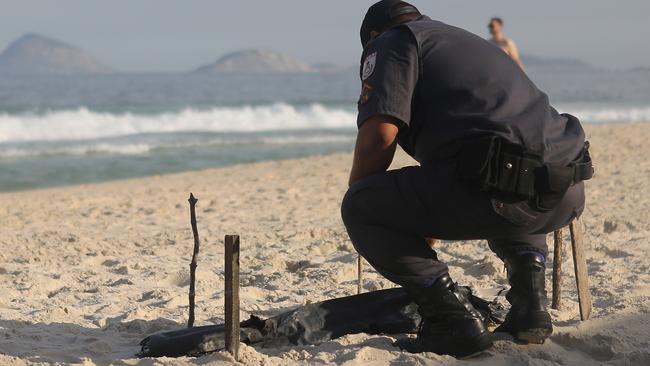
(84,124)
(117,147)
(85,131)
(611,115)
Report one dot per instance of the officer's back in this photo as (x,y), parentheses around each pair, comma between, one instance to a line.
(448,85)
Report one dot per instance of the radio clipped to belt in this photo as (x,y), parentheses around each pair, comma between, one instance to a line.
(512,174)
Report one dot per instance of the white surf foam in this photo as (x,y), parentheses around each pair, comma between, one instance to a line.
(71,150)
(48,149)
(610,115)
(82,124)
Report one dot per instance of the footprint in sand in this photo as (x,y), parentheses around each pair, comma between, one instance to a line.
(180,279)
(121,270)
(295,266)
(120,282)
(157,294)
(599,347)
(52,294)
(110,263)
(488,266)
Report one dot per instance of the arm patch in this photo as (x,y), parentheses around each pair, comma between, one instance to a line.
(369,66)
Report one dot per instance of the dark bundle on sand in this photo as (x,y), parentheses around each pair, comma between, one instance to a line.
(379,312)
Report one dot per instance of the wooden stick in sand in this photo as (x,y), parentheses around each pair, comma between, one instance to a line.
(558,246)
(580,264)
(195,254)
(359,273)
(232,295)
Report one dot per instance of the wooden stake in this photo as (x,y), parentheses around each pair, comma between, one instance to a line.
(359,273)
(232,294)
(195,254)
(558,254)
(580,264)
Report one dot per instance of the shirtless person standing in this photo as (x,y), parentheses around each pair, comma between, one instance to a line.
(499,39)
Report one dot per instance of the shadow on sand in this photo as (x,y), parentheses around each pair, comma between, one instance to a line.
(616,339)
(71,343)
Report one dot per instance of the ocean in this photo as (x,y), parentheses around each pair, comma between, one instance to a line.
(63,130)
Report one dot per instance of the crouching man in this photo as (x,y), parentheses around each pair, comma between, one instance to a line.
(497,163)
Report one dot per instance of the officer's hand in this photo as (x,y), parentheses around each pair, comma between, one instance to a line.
(432,242)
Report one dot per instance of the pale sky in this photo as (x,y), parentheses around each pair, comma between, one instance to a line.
(179,35)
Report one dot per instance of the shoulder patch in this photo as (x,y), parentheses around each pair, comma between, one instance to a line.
(369,66)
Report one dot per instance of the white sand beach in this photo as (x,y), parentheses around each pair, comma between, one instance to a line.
(87,271)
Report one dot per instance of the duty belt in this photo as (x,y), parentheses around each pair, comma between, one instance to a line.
(510,172)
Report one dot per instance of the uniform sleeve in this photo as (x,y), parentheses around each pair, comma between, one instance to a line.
(389,74)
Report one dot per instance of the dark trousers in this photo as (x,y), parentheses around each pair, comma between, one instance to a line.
(389,215)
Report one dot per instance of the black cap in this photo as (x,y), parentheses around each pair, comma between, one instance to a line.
(381,14)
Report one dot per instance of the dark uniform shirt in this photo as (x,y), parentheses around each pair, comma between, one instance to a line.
(447,85)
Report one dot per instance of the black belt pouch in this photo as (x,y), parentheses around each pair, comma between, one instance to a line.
(477,159)
(494,165)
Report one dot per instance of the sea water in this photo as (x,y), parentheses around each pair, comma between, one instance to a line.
(61,130)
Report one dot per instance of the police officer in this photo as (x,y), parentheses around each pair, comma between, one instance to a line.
(497,162)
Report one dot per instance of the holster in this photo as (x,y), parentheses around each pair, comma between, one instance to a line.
(512,174)
(492,164)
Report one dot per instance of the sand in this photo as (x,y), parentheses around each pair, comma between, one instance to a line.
(87,271)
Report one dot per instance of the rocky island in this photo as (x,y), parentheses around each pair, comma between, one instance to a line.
(33,54)
(256,61)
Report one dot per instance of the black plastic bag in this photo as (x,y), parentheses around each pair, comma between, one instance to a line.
(378,312)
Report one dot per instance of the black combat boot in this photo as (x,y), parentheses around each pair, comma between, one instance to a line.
(528,320)
(450,324)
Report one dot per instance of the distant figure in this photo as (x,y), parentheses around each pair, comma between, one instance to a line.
(506,44)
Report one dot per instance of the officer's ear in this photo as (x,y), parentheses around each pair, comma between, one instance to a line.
(374,34)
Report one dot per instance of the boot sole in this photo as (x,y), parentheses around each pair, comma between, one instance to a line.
(480,344)
(473,355)
(535,335)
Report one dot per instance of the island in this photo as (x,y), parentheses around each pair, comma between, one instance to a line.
(33,54)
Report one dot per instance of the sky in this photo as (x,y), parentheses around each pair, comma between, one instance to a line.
(177,36)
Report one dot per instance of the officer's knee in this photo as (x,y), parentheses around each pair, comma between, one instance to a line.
(350,208)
